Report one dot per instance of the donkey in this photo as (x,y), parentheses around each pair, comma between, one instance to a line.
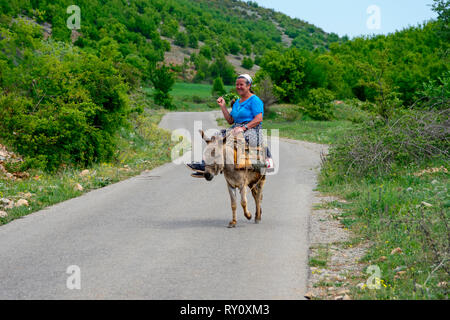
(219,158)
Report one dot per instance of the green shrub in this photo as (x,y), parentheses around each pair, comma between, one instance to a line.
(193,41)
(163,81)
(218,88)
(61,106)
(182,39)
(319,105)
(247,63)
(229,97)
(287,71)
(376,148)
(437,93)
(223,69)
(197,99)
(206,52)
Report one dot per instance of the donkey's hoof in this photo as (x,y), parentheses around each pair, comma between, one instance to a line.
(257,220)
(249,216)
(232,224)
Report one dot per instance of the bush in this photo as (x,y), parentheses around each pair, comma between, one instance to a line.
(375,148)
(436,95)
(163,81)
(230,97)
(286,70)
(223,69)
(264,90)
(247,63)
(218,88)
(76,104)
(197,99)
(182,39)
(193,41)
(206,52)
(319,105)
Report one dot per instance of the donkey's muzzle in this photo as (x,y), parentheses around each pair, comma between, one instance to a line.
(208,176)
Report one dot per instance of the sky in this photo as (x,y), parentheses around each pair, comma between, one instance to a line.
(356,17)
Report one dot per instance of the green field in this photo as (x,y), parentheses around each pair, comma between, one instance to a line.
(192,96)
(293,124)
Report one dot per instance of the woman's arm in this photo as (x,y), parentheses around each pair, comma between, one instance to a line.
(225,112)
(256,120)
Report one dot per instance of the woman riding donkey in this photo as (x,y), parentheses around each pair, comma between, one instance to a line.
(246,118)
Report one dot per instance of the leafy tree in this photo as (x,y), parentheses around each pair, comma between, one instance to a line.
(319,104)
(233,47)
(218,88)
(169,28)
(264,89)
(287,73)
(182,39)
(223,69)
(442,8)
(247,63)
(206,52)
(163,81)
(193,41)
(59,105)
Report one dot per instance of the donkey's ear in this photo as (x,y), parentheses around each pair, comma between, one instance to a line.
(203,136)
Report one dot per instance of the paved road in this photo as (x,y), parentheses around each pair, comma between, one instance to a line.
(163,235)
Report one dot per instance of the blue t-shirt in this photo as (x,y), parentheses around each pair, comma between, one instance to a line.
(247,110)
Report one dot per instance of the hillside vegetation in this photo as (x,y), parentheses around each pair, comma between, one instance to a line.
(64,93)
(73,99)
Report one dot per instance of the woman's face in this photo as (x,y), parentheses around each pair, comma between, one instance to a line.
(242,87)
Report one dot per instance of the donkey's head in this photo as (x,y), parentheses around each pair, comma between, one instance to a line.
(213,155)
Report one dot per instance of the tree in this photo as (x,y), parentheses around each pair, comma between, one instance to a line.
(181,39)
(222,68)
(319,104)
(193,40)
(442,8)
(206,52)
(163,80)
(287,72)
(247,63)
(264,89)
(218,88)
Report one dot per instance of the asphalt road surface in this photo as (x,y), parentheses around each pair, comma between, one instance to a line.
(164,235)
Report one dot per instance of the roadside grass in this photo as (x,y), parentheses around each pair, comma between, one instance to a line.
(141,147)
(408,209)
(293,123)
(321,256)
(406,216)
(192,96)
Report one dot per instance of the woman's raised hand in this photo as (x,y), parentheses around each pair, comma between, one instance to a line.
(221,102)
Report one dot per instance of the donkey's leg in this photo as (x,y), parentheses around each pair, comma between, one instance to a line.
(258,195)
(247,213)
(232,192)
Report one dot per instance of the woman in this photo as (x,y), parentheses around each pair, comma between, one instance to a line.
(246,117)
